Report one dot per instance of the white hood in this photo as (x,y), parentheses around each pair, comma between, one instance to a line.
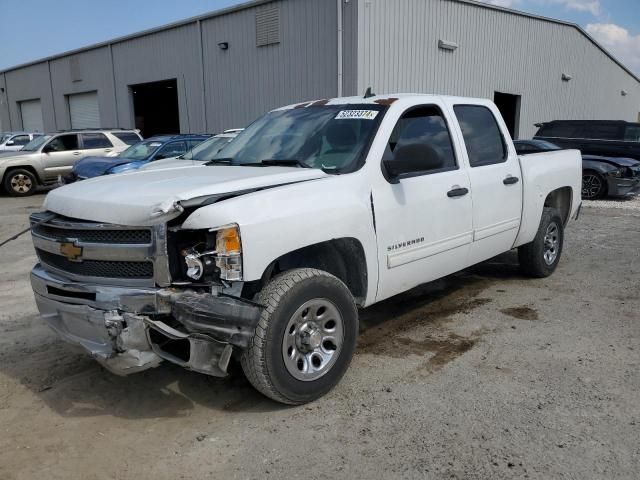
(155,196)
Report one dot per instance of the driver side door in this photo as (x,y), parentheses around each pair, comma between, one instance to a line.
(424,218)
(59,155)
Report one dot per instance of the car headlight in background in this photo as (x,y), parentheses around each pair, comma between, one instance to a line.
(125,167)
(226,257)
(620,172)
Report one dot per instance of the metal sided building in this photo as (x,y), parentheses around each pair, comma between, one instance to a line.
(222,70)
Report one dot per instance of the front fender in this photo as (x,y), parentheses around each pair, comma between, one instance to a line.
(600,167)
(277,221)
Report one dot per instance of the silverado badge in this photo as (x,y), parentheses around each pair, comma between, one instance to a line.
(71,251)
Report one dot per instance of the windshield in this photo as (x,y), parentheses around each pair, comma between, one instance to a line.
(140,151)
(329,137)
(36,143)
(4,137)
(207,149)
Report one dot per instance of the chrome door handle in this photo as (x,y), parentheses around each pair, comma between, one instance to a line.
(457,192)
(76,153)
(510,180)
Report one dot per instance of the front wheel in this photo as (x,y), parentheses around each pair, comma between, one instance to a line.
(20,183)
(305,338)
(541,257)
(593,185)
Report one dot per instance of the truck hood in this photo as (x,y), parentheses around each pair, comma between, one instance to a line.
(156,196)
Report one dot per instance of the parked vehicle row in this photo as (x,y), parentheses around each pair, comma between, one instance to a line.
(263,254)
(14,141)
(601,176)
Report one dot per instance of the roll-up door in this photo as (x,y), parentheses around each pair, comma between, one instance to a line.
(84,111)
(31,112)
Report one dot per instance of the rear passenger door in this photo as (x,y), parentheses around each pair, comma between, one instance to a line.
(59,155)
(496,186)
(95,145)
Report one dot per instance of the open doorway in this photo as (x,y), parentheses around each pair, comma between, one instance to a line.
(155,107)
(509,106)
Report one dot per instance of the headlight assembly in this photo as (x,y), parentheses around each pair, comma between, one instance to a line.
(225,260)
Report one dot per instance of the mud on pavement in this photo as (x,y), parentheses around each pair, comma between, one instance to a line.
(483,374)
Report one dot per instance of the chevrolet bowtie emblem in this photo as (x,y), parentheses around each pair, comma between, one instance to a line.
(71,251)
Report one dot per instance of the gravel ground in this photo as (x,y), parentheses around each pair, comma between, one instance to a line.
(628,203)
(484,374)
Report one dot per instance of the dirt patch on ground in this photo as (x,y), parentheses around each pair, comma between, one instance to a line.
(521,313)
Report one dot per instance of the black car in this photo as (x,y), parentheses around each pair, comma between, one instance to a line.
(613,176)
(608,138)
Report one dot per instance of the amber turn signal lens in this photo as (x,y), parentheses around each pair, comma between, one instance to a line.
(228,241)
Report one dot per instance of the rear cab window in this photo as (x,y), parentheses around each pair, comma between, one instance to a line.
(482,136)
(95,140)
(129,138)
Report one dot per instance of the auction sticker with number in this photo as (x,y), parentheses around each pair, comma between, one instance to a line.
(356,114)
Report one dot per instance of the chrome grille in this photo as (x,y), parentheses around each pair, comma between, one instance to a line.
(98,268)
(99,252)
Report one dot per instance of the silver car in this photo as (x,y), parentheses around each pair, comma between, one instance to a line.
(46,157)
(14,141)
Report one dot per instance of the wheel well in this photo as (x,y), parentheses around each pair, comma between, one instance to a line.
(560,199)
(341,257)
(25,167)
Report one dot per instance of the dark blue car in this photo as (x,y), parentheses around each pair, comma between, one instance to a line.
(137,155)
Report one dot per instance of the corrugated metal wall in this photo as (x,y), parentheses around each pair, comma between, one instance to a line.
(163,55)
(83,72)
(29,83)
(498,51)
(245,80)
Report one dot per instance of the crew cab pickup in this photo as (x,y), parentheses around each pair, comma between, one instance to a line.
(264,254)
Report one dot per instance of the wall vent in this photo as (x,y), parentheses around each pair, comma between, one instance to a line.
(267,24)
(74,69)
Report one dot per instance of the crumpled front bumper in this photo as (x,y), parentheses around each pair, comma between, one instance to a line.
(621,187)
(129,329)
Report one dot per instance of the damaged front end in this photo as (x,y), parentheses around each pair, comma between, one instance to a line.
(128,296)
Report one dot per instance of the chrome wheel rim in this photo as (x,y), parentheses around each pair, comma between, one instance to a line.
(591,186)
(312,339)
(21,183)
(551,243)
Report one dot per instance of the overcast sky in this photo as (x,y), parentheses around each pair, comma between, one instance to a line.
(32,29)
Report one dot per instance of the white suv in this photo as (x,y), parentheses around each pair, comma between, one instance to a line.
(14,141)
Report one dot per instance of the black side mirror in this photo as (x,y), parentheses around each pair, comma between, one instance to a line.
(412,158)
(10,143)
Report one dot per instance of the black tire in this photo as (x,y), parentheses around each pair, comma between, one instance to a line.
(20,183)
(263,362)
(532,255)
(594,185)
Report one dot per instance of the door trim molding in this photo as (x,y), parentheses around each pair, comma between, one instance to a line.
(409,255)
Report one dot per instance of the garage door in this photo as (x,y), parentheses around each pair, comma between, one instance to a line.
(31,113)
(84,111)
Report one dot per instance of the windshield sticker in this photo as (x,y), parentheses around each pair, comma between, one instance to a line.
(155,144)
(356,114)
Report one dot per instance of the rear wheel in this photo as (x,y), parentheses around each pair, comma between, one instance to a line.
(305,338)
(593,185)
(20,182)
(541,257)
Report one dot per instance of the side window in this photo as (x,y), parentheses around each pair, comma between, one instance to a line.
(64,143)
(602,132)
(129,138)
(632,133)
(561,130)
(95,140)
(482,136)
(171,150)
(426,126)
(20,140)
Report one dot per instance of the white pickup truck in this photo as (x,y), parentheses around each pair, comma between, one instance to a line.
(265,254)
